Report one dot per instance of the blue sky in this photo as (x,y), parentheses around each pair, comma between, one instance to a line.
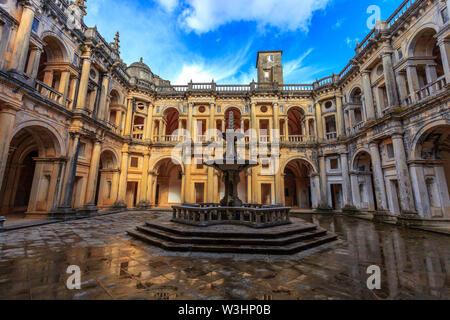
(218,39)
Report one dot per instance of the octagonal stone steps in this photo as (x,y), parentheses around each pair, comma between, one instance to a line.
(279,241)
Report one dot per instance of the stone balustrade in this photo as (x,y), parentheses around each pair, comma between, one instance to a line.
(252,215)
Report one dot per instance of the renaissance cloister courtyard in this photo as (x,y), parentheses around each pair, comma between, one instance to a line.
(34,261)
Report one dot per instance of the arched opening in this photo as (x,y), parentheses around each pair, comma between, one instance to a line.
(356,110)
(237,118)
(297,184)
(29,185)
(426,74)
(138,127)
(434,147)
(107,181)
(295,122)
(171,118)
(53,78)
(167,191)
(362,182)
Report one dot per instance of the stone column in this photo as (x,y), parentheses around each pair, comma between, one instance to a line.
(129,117)
(315,191)
(276,120)
(444,46)
(431,72)
(286,129)
(144,182)
(103,105)
(368,96)
(22,41)
(93,176)
(402,88)
(65,207)
(323,200)
(420,190)
(64,86)
(404,180)
(347,192)
(378,177)
(413,81)
(391,86)
(210,183)
(7,118)
(35,53)
(37,58)
(319,121)
(340,116)
(189,123)
(123,178)
(148,132)
(187,183)
(84,81)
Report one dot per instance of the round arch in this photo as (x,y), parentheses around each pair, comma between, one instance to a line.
(44,133)
(413,153)
(358,154)
(427,28)
(176,161)
(55,47)
(296,157)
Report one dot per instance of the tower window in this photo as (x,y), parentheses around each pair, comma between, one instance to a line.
(270,58)
(266,74)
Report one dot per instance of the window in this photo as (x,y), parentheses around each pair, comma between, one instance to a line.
(266,74)
(444,15)
(35,25)
(157,109)
(184,109)
(134,162)
(380,70)
(334,163)
(400,54)
(390,151)
(82,150)
(281,109)
(246,109)
(270,58)
(219,109)
(199,166)
(310,109)
(328,105)
(76,60)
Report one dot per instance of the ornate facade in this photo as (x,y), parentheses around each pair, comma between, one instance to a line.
(81,131)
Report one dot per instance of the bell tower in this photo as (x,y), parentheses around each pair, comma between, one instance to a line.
(270,67)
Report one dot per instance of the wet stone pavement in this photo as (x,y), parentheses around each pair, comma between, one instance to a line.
(34,261)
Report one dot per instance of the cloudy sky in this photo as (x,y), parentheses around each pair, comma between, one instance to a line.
(218,39)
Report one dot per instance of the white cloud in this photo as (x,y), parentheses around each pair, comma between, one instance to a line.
(168,5)
(223,70)
(295,71)
(203,16)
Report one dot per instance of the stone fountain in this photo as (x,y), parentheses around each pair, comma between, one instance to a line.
(232,226)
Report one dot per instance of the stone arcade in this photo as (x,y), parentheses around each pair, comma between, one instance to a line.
(81,131)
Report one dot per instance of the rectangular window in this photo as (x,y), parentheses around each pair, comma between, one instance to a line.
(219,109)
(199,166)
(400,54)
(82,150)
(270,58)
(134,162)
(334,164)
(246,109)
(390,151)
(35,25)
(444,15)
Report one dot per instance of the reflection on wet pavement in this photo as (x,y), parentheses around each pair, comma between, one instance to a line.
(33,264)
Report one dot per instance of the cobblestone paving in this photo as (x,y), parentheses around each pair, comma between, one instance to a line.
(33,264)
